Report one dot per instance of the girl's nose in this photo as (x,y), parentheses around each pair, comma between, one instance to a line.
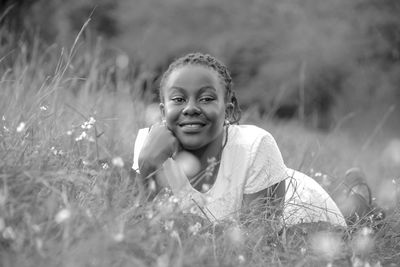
(191,108)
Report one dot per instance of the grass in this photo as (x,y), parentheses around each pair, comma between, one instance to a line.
(69,198)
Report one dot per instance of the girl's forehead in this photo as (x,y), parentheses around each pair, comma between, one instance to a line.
(194,75)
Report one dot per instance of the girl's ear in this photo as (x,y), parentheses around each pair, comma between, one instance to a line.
(162,110)
(228,109)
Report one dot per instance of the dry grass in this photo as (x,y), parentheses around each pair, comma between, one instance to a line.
(70,199)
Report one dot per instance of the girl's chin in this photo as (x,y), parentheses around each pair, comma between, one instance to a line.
(191,146)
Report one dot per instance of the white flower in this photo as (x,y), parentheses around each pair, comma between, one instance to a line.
(327,244)
(105,166)
(241,258)
(82,136)
(92,121)
(122,61)
(69,132)
(54,150)
(63,215)
(21,127)
(169,225)
(318,174)
(235,235)
(9,233)
(118,162)
(43,108)
(118,237)
(363,242)
(194,229)
(205,187)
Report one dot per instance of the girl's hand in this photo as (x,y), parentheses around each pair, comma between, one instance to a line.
(160,144)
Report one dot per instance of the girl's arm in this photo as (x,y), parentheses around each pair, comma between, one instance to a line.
(159,145)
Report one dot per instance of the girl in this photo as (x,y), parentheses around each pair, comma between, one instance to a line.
(214,166)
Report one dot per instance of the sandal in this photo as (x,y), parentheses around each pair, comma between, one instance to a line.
(356,201)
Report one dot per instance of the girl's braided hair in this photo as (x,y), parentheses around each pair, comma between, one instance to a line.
(209,61)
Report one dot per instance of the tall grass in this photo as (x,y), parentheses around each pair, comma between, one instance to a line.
(69,198)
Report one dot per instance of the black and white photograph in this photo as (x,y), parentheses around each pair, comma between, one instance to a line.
(199,133)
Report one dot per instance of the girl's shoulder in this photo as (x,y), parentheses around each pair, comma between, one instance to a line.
(248,134)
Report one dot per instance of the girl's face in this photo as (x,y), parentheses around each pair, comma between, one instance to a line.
(194,105)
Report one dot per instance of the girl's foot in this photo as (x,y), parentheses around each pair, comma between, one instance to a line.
(356,201)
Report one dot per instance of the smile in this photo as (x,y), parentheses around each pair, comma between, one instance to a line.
(191,126)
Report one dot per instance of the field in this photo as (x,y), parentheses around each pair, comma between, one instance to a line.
(68,196)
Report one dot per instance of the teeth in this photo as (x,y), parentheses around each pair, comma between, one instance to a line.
(193,125)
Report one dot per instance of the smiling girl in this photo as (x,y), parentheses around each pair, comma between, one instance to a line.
(212,163)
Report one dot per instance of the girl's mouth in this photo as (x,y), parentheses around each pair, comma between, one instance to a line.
(191,126)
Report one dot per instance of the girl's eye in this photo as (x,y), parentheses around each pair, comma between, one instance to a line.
(206,99)
(178,99)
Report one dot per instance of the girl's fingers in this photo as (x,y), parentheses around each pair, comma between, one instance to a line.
(164,139)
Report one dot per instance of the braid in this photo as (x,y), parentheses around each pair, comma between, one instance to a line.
(214,64)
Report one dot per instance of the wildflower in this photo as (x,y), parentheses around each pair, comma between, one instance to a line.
(3,118)
(21,127)
(205,187)
(118,237)
(118,162)
(43,108)
(105,166)
(169,225)
(149,214)
(194,210)
(63,215)
(241,258)
(9,233)
(326,244)
(194,229)
(173,199)
(235,235)
(82,136)
(88,124)
(69,132)
(326,181)
(53,150)
(303,251)
(122,61)
(6,129)
(363,242)
(318,174)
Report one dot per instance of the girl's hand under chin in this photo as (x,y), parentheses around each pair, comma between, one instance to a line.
(167,145)
(160,144)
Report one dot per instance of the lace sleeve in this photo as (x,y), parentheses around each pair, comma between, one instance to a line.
(267,167)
